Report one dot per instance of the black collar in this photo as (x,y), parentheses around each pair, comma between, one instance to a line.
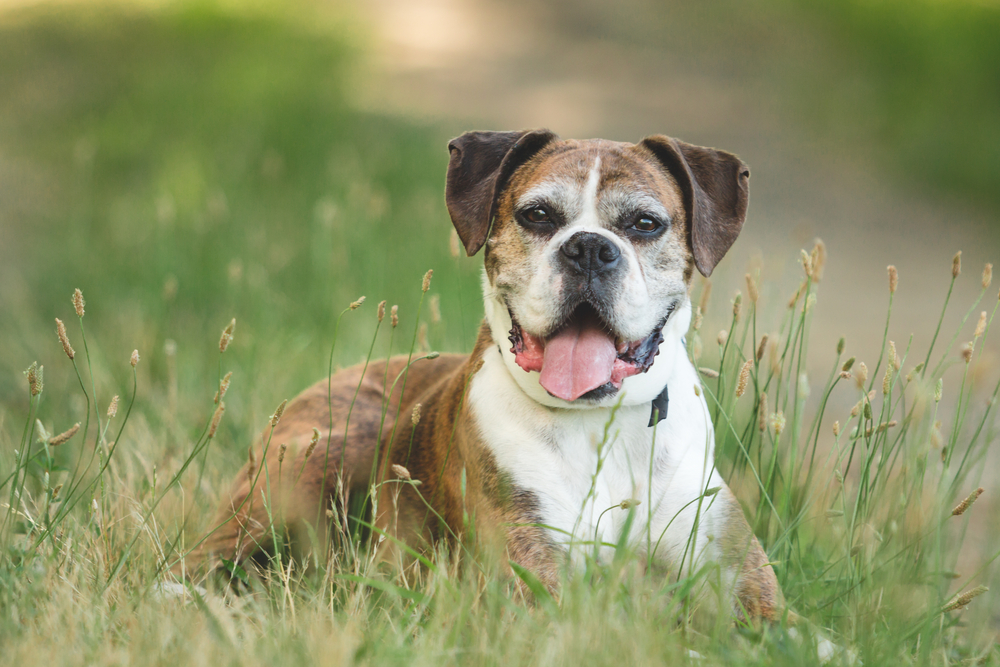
(658,412)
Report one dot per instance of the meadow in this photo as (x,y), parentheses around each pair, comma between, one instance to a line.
(192,165)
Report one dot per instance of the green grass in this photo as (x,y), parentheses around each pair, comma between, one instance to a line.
(186,166)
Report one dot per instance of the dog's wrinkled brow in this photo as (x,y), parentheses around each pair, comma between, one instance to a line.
(564,194)
(617,202)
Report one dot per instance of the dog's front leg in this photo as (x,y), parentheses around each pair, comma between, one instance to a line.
(755,592)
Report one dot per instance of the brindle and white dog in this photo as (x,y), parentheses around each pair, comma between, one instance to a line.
(590,247)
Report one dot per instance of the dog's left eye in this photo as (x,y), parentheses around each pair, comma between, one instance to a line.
(646,224)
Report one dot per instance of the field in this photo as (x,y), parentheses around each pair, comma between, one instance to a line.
(191,164)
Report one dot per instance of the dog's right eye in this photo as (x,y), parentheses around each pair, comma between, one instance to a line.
(537,215)
(537,219)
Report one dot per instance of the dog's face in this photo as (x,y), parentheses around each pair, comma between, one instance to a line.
(590,252)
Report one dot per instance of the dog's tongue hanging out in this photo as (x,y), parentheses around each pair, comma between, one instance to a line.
(578,359)
(581,357)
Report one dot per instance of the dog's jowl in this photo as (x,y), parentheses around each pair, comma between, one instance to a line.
(589,250)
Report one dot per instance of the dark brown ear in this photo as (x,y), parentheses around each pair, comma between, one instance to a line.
(480,165)
(716,193)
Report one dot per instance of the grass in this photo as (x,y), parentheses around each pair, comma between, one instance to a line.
(194,166)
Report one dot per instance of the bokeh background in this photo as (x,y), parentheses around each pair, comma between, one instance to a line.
(186,162)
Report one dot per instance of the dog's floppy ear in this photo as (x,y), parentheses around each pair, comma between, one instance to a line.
(480,164)
(716,193)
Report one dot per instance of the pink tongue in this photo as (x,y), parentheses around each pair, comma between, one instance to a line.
(577,359)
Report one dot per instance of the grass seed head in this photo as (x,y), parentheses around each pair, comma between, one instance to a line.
(415,415)
(64,339)
(807,263)
(795,297)
(967,503)
(761,347)
(840,345)
(453,244)
(966,351)
(848,364)
(818,259)
(78,302)
(893,279)
(357,303)
(134,359)
(836,428)
(223,387)
(57,440)
(35,378)
(980,325)
(434,305)
(721,338)
(401,472)
(251,464)
(861,375)
(276,417)
(777,423)
(227,335)
(741,383)
(737,302)
(845,375)
(887,380)
(868,409)
(312,444)
(956,264)
(987,275)
(43,435)
(706,292)
(938,390)
(752,292)
(216,418)
(113,408)
(913,374)
(710,373)
(381,310)
(629,503)
(698,318)
(426,284)
(696,347)
(281,452)
(394,316)
(893,356)
(965,598)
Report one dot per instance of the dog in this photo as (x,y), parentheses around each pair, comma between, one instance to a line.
(578,396)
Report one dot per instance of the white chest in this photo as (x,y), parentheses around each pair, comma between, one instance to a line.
(582,464)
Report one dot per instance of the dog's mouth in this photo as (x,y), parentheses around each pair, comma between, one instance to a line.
(583,357)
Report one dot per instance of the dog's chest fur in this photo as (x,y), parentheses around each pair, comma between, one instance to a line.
(579,463)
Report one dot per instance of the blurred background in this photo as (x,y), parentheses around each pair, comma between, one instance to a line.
(186,162)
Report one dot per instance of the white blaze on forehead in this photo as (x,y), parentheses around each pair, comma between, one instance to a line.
(589,214)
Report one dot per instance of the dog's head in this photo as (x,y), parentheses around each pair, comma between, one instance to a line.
(590,249)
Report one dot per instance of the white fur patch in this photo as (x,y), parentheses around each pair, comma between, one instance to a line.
(554,453)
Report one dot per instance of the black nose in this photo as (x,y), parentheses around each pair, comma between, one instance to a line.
(590,253)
